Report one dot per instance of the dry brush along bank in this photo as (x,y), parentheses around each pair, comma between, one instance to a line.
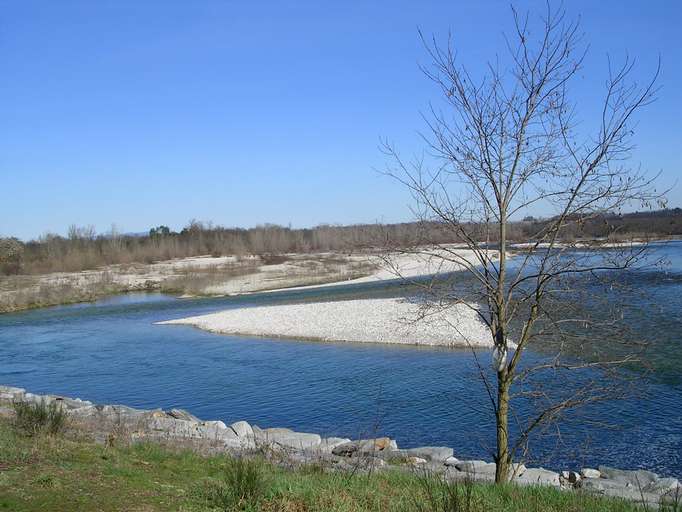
(225,275)
(179,429)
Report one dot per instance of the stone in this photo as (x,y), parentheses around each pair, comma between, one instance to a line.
(663,485)
(434,453)
(538,476)
(365,447)
(451,461)
(242,429)
(518,469)
(590,473)
(181,414)
(476,467)
(11,394)
(416,461)
(109,417)
(165,428)
(619,489)
(217,424)
(452,474)
(329,443)
(286,438)
(570,477)
(639,477)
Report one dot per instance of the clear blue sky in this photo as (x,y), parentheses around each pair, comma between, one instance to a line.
(142,113)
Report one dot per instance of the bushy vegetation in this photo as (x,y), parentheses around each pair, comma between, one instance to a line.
(33,418)
(83,249)
(59,474)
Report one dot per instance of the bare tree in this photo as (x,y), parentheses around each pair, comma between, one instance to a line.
(505,146)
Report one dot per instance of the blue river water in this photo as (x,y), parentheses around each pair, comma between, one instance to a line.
(111,352)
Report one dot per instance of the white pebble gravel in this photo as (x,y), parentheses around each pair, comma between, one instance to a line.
(363,321)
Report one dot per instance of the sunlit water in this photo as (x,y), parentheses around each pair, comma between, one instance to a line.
(111,352)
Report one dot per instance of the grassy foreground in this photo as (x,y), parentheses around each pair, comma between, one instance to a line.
(51,472)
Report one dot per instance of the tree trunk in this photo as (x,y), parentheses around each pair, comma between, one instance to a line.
(502,458)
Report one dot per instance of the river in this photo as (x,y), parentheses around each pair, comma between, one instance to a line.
(111,352)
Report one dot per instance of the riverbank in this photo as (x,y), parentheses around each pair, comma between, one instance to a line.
(199,276)
(222,276)
(362,321)
(64,475)
(112,457)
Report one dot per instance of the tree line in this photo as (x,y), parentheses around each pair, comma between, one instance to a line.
(82,248)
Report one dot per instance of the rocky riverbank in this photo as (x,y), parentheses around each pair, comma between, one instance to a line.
(110,424)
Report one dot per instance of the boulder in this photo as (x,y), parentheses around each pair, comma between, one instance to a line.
(619,489)
(242,429)
(171,429)
(329,443)
(433,453)
(181,414)
(640,478)
(570,477)
(286,438)
(365,447)
(590,473)
(538,476)
(416,461)
(451,461)
(109,417)
(476,467)
(217,424)
(664,486)
(11,394)
(452,474)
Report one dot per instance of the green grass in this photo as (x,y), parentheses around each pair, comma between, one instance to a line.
(48,472)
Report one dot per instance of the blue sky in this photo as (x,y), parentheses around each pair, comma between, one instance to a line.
(142,113)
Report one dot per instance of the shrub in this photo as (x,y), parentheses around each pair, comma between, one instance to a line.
(245,480)
(35,418)
(439,495)
(241,487)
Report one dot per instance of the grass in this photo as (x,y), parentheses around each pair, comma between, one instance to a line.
(36,418)
(55,473)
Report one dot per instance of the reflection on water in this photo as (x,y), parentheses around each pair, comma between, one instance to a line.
(112,352)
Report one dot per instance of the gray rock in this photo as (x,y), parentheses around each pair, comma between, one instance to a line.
(109,417)
(518,469)
(538,476)
(476,466)
(181,414)
(165,428)
(286,438)
(570,477)
(416,461)
(663,485)
(452,474)
(242,429)
(434,453)
(590,473)
(639,477)
(217,424)
(365,447)
(10,394)
(329,443)
(451,461)
(619,489)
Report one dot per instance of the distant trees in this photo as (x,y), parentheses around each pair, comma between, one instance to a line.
(83,248)
(11,252)
(159,232)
